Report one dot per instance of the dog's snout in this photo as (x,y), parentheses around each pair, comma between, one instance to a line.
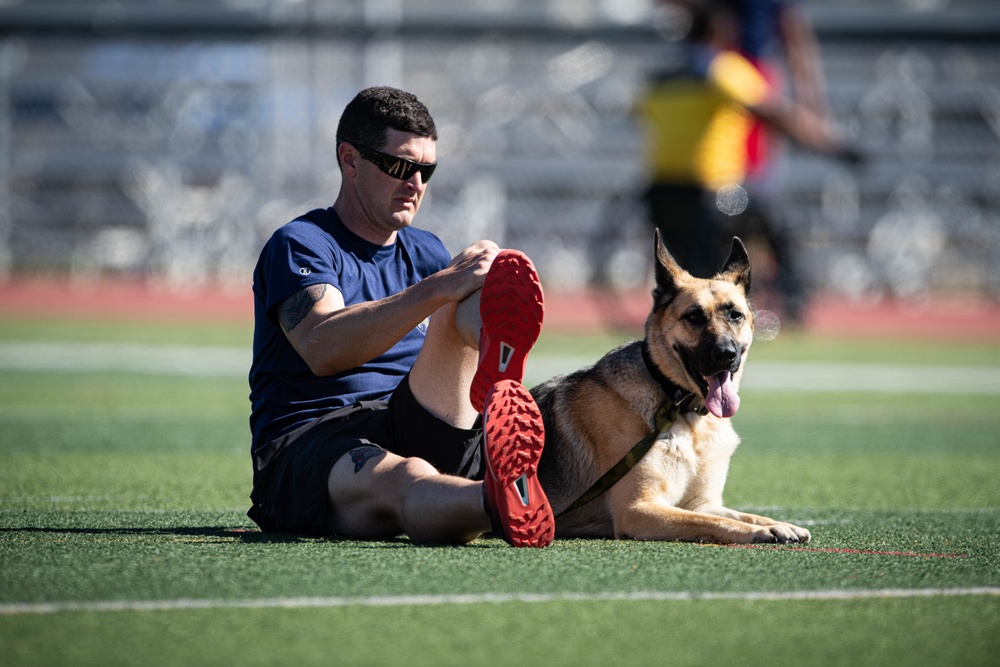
(725,353)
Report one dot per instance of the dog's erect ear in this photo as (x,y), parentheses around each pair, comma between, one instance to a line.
(667,269)
(737,267)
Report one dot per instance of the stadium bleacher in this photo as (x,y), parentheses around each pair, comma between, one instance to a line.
(170,138)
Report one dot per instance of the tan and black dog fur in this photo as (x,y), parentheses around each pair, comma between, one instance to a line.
(697,336)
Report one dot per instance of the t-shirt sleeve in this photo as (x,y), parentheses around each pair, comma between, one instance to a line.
(298,256)
(738,79)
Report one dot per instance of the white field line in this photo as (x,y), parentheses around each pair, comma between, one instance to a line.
(763,376)
(184,604)
(809,376)
(129,357)
(883,378)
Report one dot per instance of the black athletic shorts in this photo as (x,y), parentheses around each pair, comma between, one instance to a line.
(290,493)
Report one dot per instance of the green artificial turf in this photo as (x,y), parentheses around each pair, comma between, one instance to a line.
(131,487)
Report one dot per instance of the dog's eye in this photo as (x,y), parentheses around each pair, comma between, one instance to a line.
(696,316)
(736,316)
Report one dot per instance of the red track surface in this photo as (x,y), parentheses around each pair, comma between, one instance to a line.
(956,319)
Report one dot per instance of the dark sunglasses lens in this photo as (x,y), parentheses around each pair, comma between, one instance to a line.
(396,167)
(404,169)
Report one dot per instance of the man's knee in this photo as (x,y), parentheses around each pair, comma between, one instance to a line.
(358,474)
(368,489)
(456,324)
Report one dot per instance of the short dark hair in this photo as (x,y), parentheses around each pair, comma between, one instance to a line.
(368,117)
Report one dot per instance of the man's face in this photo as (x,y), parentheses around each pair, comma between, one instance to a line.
(389,203)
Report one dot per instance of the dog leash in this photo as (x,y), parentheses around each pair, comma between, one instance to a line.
(665,417)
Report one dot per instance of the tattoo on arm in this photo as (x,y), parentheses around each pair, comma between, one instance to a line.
(296,307)
(362,455)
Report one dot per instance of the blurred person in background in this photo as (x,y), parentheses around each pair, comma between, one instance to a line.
(772,33)
(699,121)
(385,383)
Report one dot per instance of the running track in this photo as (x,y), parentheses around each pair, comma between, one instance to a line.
(956,319)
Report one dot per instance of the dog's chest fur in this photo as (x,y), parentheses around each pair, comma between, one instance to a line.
(679,464)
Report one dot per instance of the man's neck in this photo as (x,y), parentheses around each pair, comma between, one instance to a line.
(356,221)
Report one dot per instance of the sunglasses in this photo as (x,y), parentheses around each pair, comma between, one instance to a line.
(397,167)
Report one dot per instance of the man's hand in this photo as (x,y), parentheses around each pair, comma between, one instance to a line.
(467,271)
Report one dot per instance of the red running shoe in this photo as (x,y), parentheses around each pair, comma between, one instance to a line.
(511,306)
(513,439)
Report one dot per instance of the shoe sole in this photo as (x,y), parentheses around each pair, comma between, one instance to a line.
(511,307)
(514,436)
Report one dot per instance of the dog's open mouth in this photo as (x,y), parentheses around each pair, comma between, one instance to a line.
(719,390)
(721,398)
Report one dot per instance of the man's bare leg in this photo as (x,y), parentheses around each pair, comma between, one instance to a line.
(444,369)
(376,494)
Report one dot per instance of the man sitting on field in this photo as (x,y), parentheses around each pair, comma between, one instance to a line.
(386,375)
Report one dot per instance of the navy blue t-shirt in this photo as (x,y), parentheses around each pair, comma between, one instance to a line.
(318,249)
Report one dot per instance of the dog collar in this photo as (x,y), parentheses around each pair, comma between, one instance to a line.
(674,393)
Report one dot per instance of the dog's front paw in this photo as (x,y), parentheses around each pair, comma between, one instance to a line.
(781,533)
(801,534)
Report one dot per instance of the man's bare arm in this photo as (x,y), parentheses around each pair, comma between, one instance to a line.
(332,337)
(297,307)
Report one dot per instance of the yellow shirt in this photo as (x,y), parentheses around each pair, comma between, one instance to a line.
(697,125)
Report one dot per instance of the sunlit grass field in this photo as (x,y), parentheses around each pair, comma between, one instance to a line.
(123,539)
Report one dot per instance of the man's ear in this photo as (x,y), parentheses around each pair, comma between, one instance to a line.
(348,157)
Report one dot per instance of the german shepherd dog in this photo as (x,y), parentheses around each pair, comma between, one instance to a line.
(674,391)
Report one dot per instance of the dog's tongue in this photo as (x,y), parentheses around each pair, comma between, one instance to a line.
(722,399)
